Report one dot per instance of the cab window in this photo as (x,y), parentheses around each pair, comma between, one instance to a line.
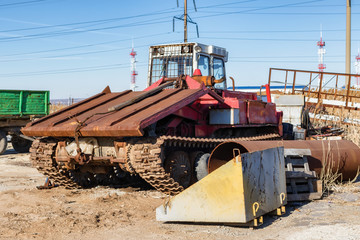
(219,72)
(170,67)
(203,65)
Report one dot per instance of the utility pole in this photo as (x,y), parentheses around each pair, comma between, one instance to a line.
(348,40)
(185,20)
(357,68)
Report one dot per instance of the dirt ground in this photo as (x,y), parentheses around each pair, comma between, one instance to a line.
(108,213)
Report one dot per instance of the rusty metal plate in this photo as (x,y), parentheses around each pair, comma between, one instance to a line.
(261,113)
(129,121)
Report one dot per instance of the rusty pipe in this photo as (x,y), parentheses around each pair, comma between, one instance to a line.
(233,83)
(341,155)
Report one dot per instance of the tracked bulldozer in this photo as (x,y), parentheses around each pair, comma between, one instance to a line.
(164,134)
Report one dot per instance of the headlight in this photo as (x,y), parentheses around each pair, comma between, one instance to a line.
(161,51)
(198,49)
(186,49)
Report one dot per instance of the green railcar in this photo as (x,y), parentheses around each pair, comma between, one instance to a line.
(17,108)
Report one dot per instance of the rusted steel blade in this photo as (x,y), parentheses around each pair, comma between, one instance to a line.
(96,120)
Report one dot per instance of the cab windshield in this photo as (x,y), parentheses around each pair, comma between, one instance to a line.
(219,72)
(204,65)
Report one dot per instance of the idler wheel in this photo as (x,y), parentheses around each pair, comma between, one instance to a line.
(178,165)
(201,166)
(20,144)
(3,142)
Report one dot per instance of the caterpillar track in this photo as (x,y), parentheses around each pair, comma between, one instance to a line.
(146,157)
(41,156)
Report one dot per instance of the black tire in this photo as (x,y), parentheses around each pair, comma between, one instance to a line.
(179,166)
(20,144)
(201,166)
(3,142)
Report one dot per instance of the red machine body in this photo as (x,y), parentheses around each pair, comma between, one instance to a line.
(196,111)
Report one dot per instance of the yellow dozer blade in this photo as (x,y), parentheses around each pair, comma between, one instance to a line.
(239,192)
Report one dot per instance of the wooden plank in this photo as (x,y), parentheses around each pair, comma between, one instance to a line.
(293,186)
(299,188)
(297,152)
(301,183)
(298,174)
(304,196)
(315,193)
(295,161)
(289,167)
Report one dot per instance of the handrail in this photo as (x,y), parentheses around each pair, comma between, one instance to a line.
(323,88)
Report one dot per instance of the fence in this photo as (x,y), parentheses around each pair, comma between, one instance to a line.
(332,89)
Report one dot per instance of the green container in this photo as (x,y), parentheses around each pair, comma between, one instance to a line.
(23,103)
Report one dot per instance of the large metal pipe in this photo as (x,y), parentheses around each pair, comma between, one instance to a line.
(342,155)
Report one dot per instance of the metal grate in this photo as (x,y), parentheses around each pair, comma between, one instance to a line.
(171,61)
(171,67)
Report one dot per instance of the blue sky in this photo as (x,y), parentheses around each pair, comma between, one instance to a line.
(75,48)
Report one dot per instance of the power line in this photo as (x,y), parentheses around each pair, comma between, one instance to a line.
(146,45)
(75,31)
(23,3)
(164,11)
(141,23)
(79,54)
(287,61)
(306,6)
(277,57)
(284,13)
(86,45)
(101,21)
(68,70)
(271,39)
(279,31)
(262,8)
(89,22)
(152,35)
(226,4)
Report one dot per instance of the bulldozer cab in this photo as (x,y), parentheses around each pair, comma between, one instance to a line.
(174,60)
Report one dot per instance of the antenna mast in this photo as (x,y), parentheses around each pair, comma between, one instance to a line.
(133,68)
(321,53)
(357,68)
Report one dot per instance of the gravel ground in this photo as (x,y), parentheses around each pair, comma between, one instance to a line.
(129,213)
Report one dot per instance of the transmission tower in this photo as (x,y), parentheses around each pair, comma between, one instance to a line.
(321,53)
(187,19)
(133,68)
(357,68)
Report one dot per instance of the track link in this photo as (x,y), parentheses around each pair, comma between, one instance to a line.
(146,157)
(147,161)
(41,156)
